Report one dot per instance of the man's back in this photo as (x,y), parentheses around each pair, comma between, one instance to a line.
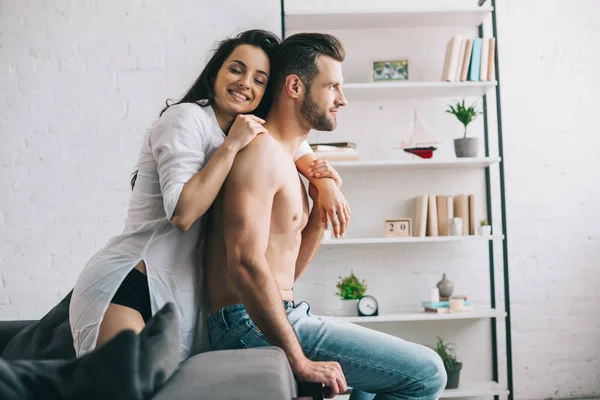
(263,205)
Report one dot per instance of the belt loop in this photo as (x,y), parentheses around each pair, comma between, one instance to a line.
(224,319)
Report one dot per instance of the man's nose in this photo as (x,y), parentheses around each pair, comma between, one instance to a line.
(342,101)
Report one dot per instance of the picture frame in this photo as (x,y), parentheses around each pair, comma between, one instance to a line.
(389,70)
(398,227)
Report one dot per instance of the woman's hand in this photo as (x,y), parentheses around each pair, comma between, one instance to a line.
(332,203)
(320,168)
(245,128)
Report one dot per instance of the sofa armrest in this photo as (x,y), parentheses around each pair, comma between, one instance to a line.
(8,329)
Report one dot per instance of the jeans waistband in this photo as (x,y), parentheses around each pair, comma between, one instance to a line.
(239,308)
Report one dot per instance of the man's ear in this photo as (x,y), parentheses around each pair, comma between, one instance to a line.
(294,86)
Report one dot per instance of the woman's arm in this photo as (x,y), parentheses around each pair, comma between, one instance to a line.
(330,198)
(179,142)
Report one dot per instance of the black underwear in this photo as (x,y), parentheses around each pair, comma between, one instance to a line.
(134,293)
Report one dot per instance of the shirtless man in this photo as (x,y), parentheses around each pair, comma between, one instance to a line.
(262,237)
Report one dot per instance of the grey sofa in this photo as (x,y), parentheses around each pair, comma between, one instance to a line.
(248,374)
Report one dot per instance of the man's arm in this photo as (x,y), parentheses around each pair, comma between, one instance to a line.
(311,236)
(248,202)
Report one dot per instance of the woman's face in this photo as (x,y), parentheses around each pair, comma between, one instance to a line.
(242,80)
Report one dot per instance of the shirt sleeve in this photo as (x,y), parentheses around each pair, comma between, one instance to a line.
(303,150)
(178,142)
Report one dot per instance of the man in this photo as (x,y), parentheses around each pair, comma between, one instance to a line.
(262,238)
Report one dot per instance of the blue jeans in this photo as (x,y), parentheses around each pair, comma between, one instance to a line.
(376,365)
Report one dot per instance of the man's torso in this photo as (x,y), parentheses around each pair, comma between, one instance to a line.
(288,217)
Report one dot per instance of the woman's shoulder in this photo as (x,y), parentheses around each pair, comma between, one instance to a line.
(186,111)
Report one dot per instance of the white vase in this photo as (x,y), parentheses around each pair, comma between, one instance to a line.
(484,230)
(349,308)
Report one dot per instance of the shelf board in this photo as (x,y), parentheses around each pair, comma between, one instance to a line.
(411,89)
(476,389)
(476,313)
(479,162)
(387,18)
(465,389)
(394,240)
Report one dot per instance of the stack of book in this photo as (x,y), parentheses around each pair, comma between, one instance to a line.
(339,151)
(443,306)
(434,212)
(469,59)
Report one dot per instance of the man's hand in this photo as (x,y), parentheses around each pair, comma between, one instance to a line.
(328,373)
(331,202)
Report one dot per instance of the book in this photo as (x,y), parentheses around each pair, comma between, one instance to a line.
(461,59)
(475,60)
(461,210)
(451,59)
(472,221)
(445,310)
(485,54)
(492,60)
(420,227)
(432,217)
(442,213)
(440,304)
(467,60)
(336,144)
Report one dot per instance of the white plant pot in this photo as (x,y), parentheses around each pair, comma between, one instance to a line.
(484,230)
(349,308)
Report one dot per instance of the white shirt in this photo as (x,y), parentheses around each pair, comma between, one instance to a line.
(178,145)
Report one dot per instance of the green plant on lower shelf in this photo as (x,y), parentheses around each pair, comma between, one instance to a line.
(464,114)
(447,354)
(483,222)
(350,287)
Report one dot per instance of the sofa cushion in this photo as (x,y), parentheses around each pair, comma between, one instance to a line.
(249,374)
(49,338)
(127,367)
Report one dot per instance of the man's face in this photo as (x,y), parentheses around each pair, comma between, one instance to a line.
(324,96)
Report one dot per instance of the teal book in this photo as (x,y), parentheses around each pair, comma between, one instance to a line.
(475,67)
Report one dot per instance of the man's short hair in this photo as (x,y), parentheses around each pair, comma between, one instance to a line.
(299,53)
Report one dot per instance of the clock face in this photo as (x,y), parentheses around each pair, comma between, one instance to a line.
(367,305)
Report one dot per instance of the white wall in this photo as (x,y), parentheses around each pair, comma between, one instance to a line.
(81,81)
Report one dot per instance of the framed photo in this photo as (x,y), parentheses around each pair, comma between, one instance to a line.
(389,70)
(399,227)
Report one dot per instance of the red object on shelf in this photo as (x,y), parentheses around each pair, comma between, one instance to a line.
(423,152)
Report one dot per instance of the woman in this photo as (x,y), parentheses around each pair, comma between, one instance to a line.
(184,160)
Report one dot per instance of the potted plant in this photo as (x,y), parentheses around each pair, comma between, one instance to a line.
(484,228)
(350,290)
(465,147)
(452,366)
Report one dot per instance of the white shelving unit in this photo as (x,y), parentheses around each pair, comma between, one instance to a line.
(476,313)
(367,18)
(398,90)
(416,164)
(466,389)
(387,18)
(397,240)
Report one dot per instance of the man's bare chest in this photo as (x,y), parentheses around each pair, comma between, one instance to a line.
(290,206)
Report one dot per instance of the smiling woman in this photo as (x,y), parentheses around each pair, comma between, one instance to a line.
(185,158)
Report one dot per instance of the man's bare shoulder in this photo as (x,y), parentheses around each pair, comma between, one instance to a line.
(263,152)
(258,161)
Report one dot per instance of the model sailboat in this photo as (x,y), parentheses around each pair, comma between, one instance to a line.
(419,142)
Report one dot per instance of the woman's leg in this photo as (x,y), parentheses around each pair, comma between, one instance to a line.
(129,308)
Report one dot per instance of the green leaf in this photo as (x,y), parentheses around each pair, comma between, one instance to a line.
(351,287)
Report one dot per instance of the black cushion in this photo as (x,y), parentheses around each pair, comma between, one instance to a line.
(49,338)
(128,367)
(8,329)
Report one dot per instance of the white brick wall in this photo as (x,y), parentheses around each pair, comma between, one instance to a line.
(82,80)
(550,98)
